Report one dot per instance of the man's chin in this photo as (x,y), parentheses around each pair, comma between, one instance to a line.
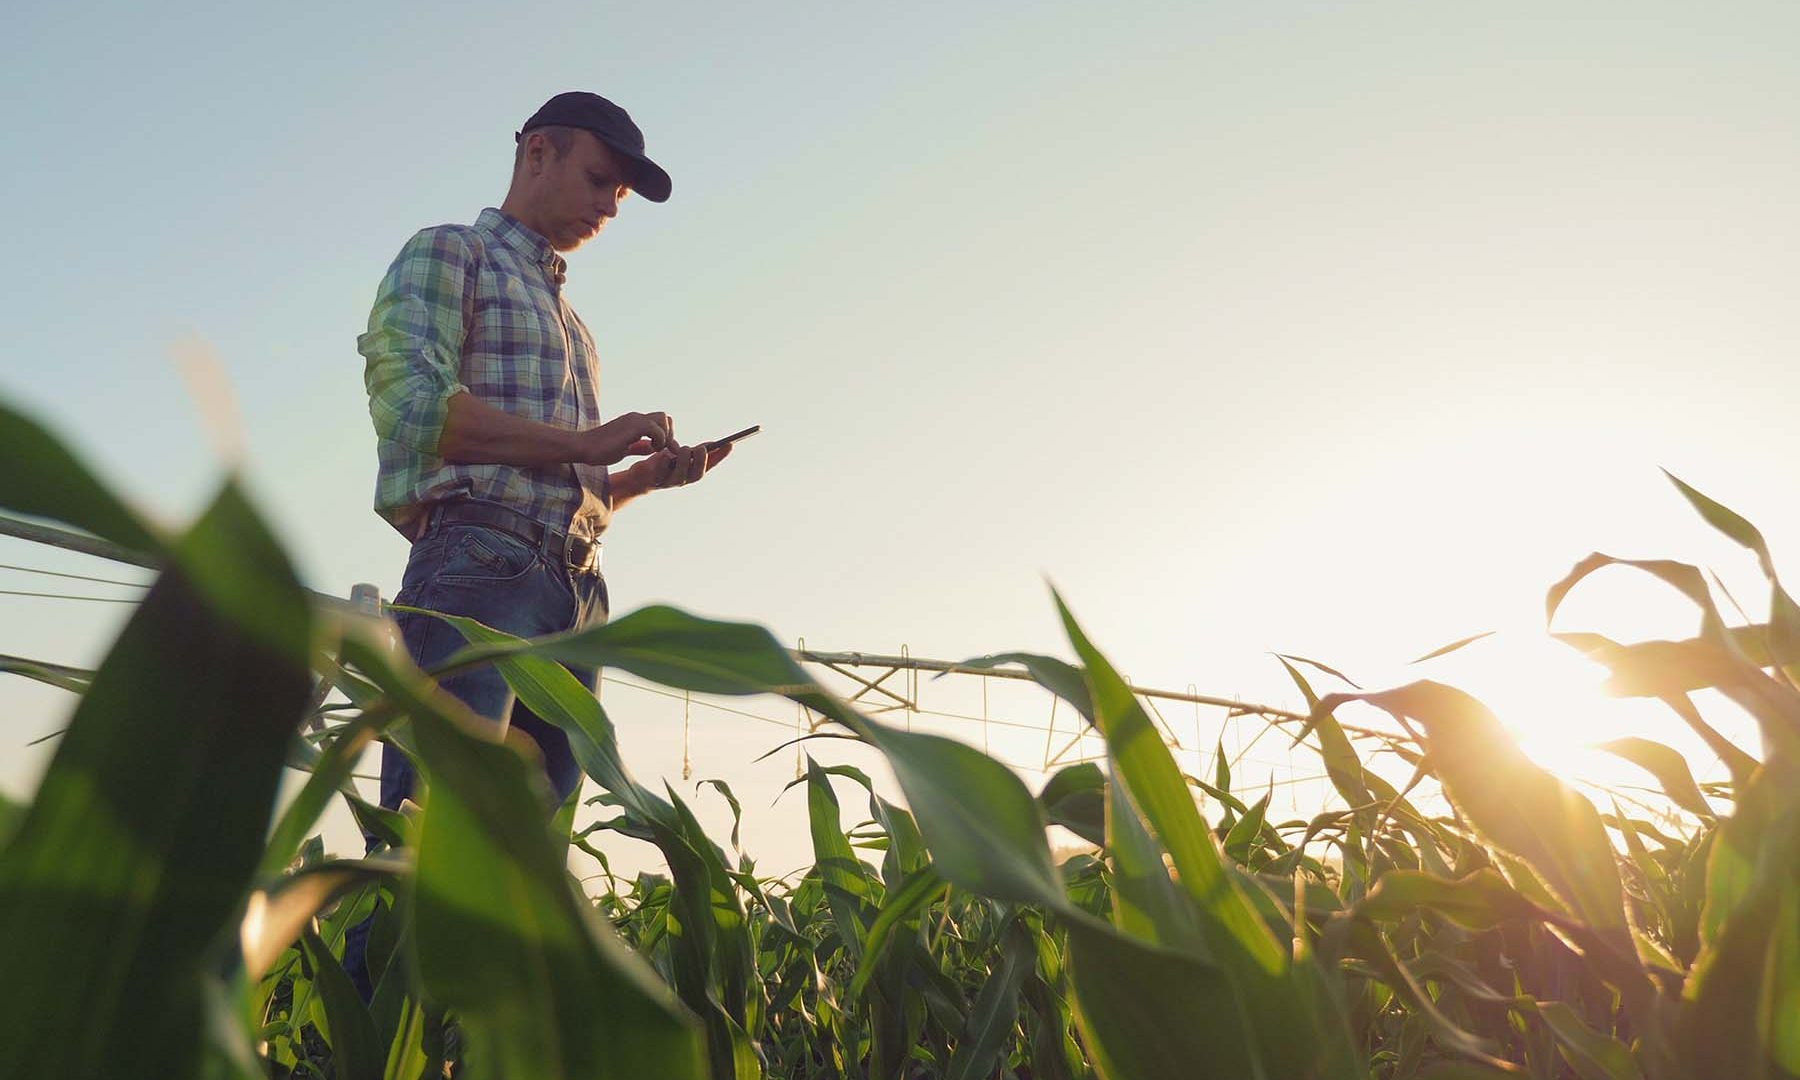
(575,238)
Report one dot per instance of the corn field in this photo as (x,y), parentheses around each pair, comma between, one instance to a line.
(159,917)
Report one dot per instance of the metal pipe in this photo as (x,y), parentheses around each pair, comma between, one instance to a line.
(919,663)
(87,544)
(69,540)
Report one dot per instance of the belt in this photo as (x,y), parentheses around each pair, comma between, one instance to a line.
(575,552)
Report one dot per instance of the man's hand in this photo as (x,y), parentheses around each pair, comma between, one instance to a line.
(672,466)
(678,466)
(476,433)
(627,435)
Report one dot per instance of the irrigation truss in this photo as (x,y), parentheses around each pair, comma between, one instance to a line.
(998,708)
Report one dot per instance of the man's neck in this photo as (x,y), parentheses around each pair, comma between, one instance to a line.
(514,208)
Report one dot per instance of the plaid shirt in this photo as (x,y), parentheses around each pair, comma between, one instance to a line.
(479,309)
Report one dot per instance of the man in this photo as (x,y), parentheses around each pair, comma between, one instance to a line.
(484,389)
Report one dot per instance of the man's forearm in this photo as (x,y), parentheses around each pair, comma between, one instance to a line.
(625,486)
(476,433)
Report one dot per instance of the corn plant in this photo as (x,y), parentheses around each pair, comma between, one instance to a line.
(161,919)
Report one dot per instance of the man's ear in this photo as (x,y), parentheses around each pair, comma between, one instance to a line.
(537,147)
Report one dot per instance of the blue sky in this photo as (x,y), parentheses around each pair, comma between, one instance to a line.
(1336,329)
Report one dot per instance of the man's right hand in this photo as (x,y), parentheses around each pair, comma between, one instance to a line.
(626,435)
(476,433)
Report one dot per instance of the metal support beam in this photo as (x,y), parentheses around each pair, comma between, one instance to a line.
(70,540)
(919,663)
(86,544)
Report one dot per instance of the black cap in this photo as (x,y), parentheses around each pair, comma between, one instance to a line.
(612,126)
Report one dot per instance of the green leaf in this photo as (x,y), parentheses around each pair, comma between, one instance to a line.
(330,775)
(737,811)
(995,1014)
(1664,668)
(1146,903)
(49,481)
(553,693)
(1146,1013)
(407,1058)
(1783,630)
(1777,1028)
(1075,798)
(918,891)
(149,823)
(985,831)
(670,647)
(1355,937)
(907,853)
(1144,766)
(1595,1056)
(10,815)
(1342,763)
(543,985)
(1669,768)
(1641,668)
(1057,676)
(275,917)
(228,1054)
(1242,840)
(1236,937)
(713,963)
(847,887)
(356,1053)
(1480,900)
(1326,668)
(1517,805)
(1445,650)
(1738,1014)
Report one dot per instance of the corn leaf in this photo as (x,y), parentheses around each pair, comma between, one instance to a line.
(1075,798)
(356,1053)
(1480,900)
(1669,768)
(144,833)
(1593,1055)
(1518,805)
(1148,1014)
(995,1013)
(546,988)
(1236,937)
(48,480)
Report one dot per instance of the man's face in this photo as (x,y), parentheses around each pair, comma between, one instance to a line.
(578,193)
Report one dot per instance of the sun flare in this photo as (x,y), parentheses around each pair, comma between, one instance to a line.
(1555,703)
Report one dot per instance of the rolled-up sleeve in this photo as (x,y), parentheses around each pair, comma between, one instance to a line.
(412,350)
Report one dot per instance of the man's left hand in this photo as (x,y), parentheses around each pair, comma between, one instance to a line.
(677,466)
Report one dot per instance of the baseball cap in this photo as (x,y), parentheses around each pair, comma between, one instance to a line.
(612,126)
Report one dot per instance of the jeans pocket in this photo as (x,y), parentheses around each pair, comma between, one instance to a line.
(476,555)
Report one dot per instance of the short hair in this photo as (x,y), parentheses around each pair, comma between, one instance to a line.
(562,140)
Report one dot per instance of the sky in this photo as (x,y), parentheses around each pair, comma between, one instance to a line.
(1330,329)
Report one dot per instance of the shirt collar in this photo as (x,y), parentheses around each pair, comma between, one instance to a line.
(514,234)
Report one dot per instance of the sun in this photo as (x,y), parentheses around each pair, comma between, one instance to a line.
(1555,703)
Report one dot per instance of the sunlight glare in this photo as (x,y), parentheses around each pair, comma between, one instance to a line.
(1554,701)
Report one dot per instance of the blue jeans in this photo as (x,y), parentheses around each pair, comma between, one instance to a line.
(499,579)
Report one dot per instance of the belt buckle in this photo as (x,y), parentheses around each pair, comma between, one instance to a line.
(593,552)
